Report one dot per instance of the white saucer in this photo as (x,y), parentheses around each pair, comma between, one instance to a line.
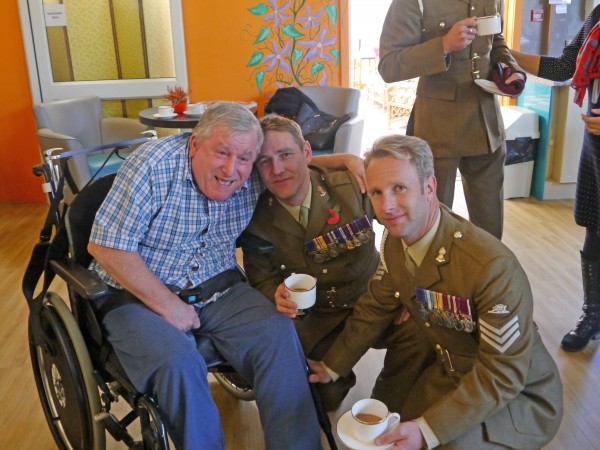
(158,116)
(491,87)
(345,433)
(187,113)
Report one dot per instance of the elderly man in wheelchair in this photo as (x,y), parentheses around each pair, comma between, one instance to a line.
(164,302)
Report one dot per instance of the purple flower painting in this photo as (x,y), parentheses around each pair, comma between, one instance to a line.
(296,44)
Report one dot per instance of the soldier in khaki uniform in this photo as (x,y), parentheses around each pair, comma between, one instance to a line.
(492,384)
(336,245)
(437,41)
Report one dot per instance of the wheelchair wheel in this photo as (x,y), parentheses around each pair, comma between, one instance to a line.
(234,384)
(64,380)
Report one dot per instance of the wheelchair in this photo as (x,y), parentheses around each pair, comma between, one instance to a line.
(77,375)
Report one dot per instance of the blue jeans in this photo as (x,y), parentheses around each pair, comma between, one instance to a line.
(252,336)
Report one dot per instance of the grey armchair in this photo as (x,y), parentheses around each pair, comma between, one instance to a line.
(339,101)
(78,123)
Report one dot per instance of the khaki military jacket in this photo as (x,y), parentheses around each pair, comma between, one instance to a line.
(340,280)
(454,115)
(499,374)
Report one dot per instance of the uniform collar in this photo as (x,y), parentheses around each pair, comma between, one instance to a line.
(419,249)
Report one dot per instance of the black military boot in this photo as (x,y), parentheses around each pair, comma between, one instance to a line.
(588,326)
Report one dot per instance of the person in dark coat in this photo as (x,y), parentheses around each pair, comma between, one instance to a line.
(587,196)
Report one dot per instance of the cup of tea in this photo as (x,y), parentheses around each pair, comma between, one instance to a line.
(488,25)
(371,419)
(302,289)
(196,108)
(165,111)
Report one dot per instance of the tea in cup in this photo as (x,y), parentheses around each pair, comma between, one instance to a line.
(488,25)
(196,108)
(372,419)
(302,289)
(165,111)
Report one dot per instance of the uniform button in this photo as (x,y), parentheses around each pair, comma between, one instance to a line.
(397,294)
(472,8)
(457,234)
(427,324)
(324,271)
(345,305)
(282,267)
(442,24)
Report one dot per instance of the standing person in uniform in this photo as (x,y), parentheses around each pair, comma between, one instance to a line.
(492,384)
(438,43)
(333,242)
(587,196)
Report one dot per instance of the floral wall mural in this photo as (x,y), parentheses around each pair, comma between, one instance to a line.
(295,43)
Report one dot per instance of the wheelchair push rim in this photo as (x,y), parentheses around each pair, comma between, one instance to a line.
(63,375)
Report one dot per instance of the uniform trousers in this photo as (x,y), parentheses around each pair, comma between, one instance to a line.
(408,354)
(252,336)
(483,180)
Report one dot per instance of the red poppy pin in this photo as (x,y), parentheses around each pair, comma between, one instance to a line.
(334,215)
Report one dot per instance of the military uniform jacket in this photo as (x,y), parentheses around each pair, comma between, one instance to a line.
(453,114)
(500,374)
(340,280)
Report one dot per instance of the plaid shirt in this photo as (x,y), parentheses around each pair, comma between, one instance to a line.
(155,208)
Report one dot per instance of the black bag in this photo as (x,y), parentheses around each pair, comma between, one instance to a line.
(318,127)
(287,102)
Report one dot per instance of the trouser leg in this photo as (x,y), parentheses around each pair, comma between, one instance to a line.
(163,362)
(408,354)
(588,325)
(445,174)
(263,347)
(483,180)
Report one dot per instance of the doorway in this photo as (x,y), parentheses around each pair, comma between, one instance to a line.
(128,51)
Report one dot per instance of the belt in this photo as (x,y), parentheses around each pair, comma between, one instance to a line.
(204,293)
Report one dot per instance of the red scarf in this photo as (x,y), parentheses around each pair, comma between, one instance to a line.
(588,64)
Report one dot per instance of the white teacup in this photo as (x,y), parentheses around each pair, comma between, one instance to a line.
(196,108)
(302,289)
(372,419)
(488,25)
(165,111)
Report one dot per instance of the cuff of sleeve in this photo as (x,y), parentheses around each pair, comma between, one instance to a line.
(430,438)
(334,376)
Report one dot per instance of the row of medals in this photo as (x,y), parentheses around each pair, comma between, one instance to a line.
(338,241)
(446,310)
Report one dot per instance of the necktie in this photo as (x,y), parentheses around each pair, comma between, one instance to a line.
(410,263)
(303,216)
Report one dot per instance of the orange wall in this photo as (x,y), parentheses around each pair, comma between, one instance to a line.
(219,44)
(18,144)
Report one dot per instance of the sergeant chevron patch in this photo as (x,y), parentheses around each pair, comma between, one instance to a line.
(380,272)
(500,338)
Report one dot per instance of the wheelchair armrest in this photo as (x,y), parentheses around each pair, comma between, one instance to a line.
(253,243)
(85,282)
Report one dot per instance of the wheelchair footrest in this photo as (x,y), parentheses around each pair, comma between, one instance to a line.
(115,428)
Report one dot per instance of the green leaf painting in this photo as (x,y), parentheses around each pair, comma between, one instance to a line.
(263,34)
(316,68)
(256,58)
(259,9)
(297,53)
(332,13)
(336,54)
(260,76)
(290,31)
